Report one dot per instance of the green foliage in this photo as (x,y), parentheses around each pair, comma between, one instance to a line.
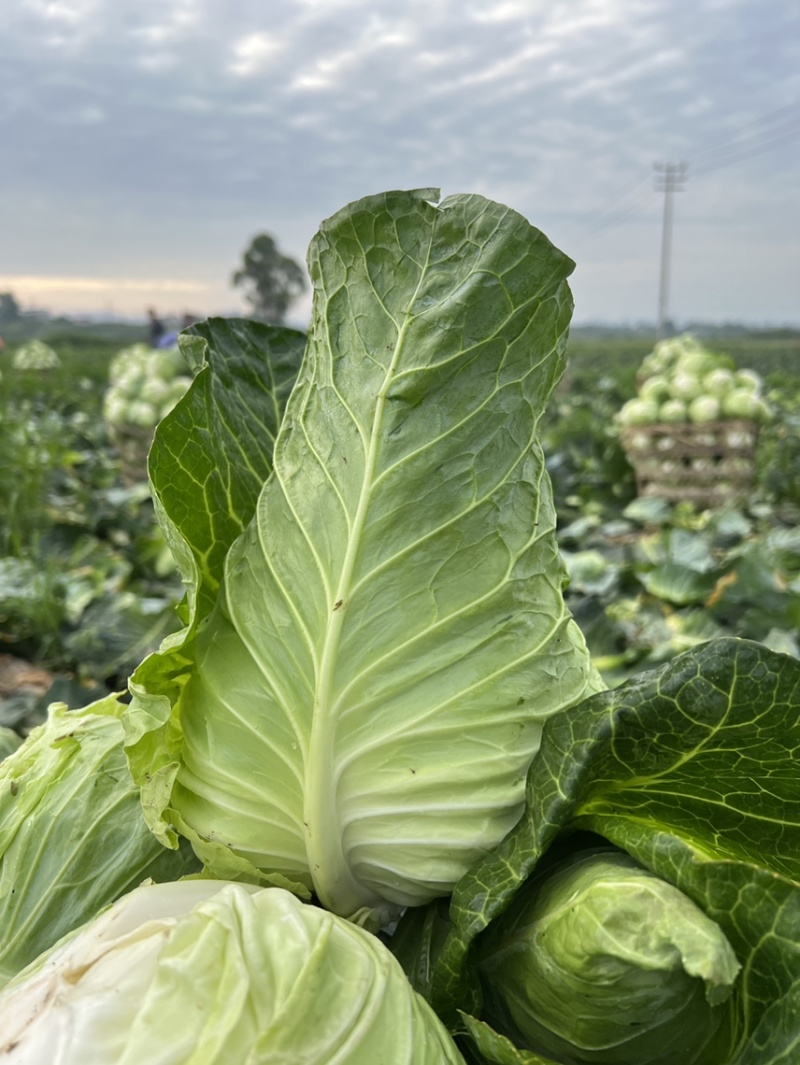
(778,455)
(619,353)
(205,495)
(32,441)
(83,591)
(270,279)
(585,461)
(661,579)
(9,308)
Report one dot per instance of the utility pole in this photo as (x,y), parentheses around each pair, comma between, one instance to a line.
(670,178)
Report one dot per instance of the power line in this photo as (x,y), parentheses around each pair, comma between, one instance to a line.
(745,151)
(768,134)
(760,135)
(782,116)
(623,208)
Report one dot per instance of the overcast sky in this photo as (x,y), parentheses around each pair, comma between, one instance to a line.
(144,142)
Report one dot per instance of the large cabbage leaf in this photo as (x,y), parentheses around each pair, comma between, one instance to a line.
(691,770)
(358,712)
(213,452)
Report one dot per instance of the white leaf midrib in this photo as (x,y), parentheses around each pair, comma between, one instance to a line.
(335,884)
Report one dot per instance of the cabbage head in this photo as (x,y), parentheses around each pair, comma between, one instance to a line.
(72,834)
(604,962)
(213,973)
(675,796)
(744,403)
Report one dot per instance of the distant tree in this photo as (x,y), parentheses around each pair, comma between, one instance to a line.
(271,280)
(9,308)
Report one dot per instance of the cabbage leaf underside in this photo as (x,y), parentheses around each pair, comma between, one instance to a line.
(356,714)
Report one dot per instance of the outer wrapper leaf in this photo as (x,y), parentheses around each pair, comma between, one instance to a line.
(691,769)
(364,701)
(496,1048)
(213,452)
(72,835)
(208,463)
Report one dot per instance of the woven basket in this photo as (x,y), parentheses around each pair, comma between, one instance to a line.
(710,464)
(132,444)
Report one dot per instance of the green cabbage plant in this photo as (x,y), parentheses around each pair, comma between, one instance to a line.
(366,668)
(218,974)
(601,961)
(646,907)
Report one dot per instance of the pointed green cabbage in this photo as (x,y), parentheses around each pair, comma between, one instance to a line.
(691,770)
(358,712)
(600,961)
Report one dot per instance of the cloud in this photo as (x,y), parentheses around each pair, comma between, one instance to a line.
(45,284)
(252,52)
(161,126)
(69,12)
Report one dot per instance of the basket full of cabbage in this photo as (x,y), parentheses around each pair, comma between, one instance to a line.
(691,431)
(372,803)
(144,385)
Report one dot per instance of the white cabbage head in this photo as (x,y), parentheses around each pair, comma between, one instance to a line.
(210,973)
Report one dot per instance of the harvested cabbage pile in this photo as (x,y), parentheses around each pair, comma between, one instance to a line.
(35,355)
(681,381)
(144,385)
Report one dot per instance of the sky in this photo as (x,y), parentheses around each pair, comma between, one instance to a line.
(143,143)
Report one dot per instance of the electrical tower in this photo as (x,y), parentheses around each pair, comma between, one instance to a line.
(670,178)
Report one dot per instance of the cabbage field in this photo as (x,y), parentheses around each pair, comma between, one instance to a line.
(381,714)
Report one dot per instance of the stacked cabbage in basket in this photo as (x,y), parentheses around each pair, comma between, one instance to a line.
(682,381)
(144,385)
